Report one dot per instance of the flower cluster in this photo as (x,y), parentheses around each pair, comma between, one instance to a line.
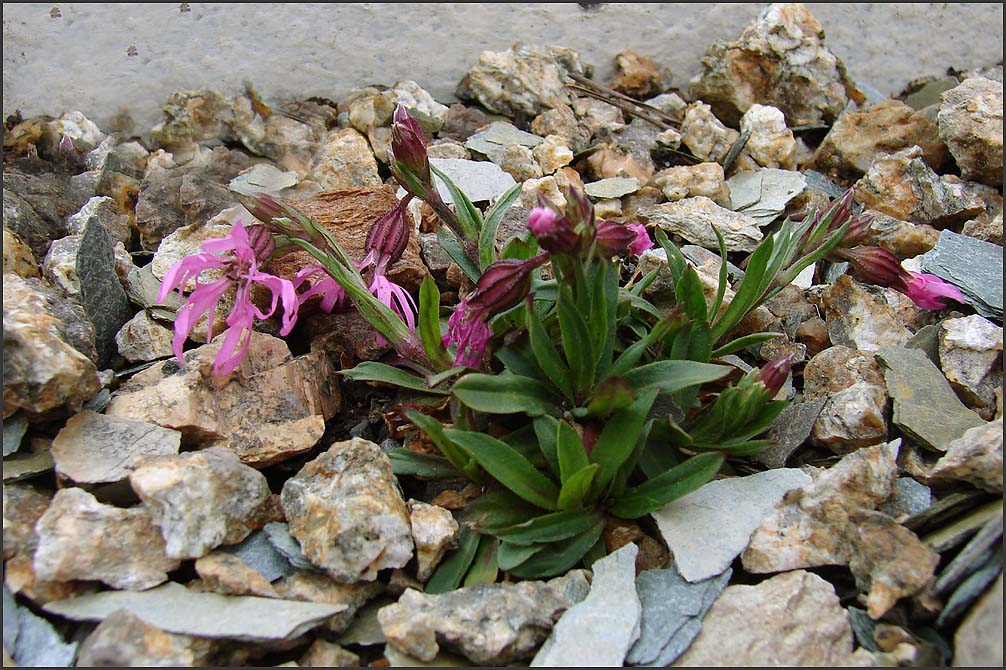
(575,231)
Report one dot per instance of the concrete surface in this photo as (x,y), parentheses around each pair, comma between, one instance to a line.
(109,59)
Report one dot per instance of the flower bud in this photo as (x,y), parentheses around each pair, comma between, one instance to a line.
(874,265)
(554,233)
(930,292)
(266,208)
(579,211)
(775,374)
(857,231)
(504,284)
(389,235)
(408,148)
(261,242)
(613,238)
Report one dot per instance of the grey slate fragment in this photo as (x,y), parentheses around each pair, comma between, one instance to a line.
(258,551)
(498,135)
(176,609)
(974,553)
(279,535)
(10,619)
(599,630)
(971,588)
(481,181)
(14,428)
(926,409)
(820,182)
(735,507)
(39,645)
(763,194)
(672,614)
(789,431)
(927,339)
(612,187)
(101,293)
(972,265)
(908,498)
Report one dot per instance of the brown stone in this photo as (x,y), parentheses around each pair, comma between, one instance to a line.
(348,215)
(636,76)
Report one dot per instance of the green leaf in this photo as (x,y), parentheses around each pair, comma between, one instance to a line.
(405,462)
(504,394)
(495,509)
(721,286)
(508,467)
(742,343)
(545,352)
(689,293)
(545,427)
(550,527)
(671,485)
(372,371)
(509,556)
(576,341)
(485,566)
(612,394)
(441,377)
(559,557)
(487,235)
(756,278)
(469,217)
(603,307)
(571,454)
(676,261)
(575,489)
(451,571)
(672,376)
(452,245)
(435,431)
(429,324)
(618,438)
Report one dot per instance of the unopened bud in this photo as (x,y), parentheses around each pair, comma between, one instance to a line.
(389,235)
(579,210)
(857,231)
(875,265)
(504,284)
(266,208)
(775,374)
(554,233)
(616,238)
(261,241)
(408,148)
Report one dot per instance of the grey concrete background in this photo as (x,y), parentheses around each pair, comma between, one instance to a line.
(107,60)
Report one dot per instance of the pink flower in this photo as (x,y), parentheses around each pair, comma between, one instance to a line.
(619,238)
(503,285)
(238,255)
(320,283)
(642,242)
(929,291)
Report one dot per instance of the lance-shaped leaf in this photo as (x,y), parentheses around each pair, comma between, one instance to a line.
(575,489)
(505,394)
(435,431)
(452,569)
(509,556)
(550,527)
(508,467)
(429,324)
(558,557)
(485,565)
(372,371)
(671,485)
(487,234)
(673,376)
(546,354)
(618,438)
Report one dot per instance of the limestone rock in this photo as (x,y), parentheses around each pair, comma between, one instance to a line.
(104,211)
(694,219)
(854,414)
(316,587)
(17,256)
(347,512)
(323,654)
(562,121)
(211,411)
(80,538)
(94,448)
(524,80)
(42,368)
(228,575)
(780,60)
(125,640)
(970,352)
(832,521)
(636,76)
(491,624)
(552,154)
(800,622)
(705,135)
(143,339)
(975,457)
(434,532)
(971,123)
(599,630)
(345,161)
(202,499)
(861,136)
(684,181)
(859,316)
(902,238)
(770,143)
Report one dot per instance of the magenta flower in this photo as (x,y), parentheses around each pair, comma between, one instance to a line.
(642,241)
(503,285)
(618,238)
(320,283)
(929,291)
(238,255)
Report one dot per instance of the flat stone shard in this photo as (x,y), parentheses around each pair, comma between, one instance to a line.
(94,448)
(79,538)
(734,507)
(979,639)
(202,499)
(101,292)
(672,614)
(780,60)
(347,512)
(271,408)
(599,630)
(855,409)
(175,609)
(926,409)
(491,624)
(695,218)
(800,622)
(970,352)
(974,266)
(38,644)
